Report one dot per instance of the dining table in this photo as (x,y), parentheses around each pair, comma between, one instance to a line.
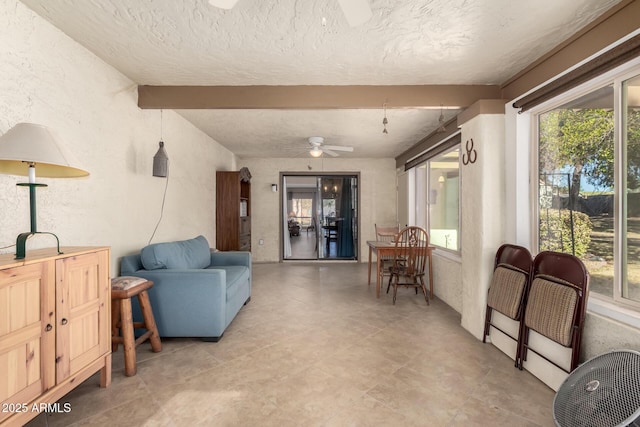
(386,249)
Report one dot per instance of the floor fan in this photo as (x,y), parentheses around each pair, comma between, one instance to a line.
(602,392)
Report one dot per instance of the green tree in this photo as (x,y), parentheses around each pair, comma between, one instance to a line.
(581,139)
(633,147)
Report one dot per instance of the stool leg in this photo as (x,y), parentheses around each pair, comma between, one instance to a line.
(115,320)
(128,338)
(149,321)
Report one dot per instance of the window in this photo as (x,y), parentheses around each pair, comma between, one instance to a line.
(302,209)
(588,185)
(630,124)
(444,197)
(438,198)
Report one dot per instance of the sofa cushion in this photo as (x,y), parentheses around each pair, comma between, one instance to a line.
(236,276)
(185,254)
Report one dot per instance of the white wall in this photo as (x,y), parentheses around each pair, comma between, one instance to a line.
(447,279)
(377,198)
(482,208)
(49,79)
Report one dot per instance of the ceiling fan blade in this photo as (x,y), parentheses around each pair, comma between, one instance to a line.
(357,12)
(223,4)
(338,147)
(329,152)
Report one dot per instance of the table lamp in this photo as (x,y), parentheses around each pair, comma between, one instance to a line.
(22,148)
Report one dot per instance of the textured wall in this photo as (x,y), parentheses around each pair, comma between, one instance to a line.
(482,207)
(447,280)
(377,193)
(49,79)
(602,334)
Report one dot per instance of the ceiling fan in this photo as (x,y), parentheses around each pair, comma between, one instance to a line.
(356,12)
(318,147)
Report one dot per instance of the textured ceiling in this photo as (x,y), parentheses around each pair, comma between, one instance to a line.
(308,42)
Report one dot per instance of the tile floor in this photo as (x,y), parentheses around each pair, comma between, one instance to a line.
(304,246)
(315,348)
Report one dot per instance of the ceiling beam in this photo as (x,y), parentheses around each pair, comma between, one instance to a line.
(313,97)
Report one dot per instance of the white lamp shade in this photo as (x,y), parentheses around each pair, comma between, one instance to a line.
(31,143)
(315,152)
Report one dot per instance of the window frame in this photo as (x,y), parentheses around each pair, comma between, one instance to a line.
(615,78)
(426,184)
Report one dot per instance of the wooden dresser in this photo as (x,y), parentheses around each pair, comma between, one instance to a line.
(233,210)
(54,327)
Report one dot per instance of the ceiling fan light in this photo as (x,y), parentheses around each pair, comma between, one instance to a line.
(315,152)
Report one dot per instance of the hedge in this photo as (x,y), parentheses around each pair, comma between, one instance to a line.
(555,231)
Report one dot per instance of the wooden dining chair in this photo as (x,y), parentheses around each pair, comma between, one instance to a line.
(386,234)
(556,305)
(409,261)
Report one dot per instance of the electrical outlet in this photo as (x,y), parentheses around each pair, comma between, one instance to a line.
(261,242)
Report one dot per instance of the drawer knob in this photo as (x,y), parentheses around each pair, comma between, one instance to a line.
(49,327)
(64,321)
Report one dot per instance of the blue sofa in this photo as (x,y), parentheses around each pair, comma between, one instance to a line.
(196,291)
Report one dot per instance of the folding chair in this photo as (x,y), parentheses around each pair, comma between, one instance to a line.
(508,289)
(556,305)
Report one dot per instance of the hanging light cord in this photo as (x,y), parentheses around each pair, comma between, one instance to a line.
(164,196)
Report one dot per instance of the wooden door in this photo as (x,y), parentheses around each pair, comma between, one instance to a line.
(27,335)
(82,307)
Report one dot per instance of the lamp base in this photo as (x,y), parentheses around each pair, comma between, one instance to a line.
(21,243)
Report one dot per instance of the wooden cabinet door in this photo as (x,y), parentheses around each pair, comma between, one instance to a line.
(82,311)
(27,335)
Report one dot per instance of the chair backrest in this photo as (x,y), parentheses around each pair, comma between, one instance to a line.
(512,270)
(557,299)
(387,233)
(411,250)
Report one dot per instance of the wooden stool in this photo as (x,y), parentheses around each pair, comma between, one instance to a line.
(122,289)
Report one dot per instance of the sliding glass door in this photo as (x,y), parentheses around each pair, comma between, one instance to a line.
(320,217)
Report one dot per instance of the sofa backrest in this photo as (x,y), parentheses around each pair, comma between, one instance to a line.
(184,254)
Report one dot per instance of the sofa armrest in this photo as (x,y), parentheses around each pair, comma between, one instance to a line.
(222,258)
(129,264)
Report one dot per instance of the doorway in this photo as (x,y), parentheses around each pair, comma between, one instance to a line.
(319,216)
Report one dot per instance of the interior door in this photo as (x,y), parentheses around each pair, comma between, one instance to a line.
(320,213)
